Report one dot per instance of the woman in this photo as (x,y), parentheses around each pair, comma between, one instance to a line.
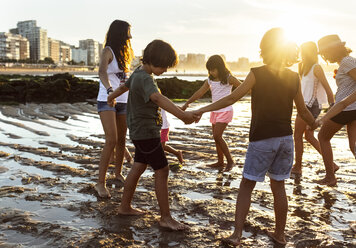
(333,50)
(114,65)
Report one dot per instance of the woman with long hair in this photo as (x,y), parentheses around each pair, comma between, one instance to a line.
(114,66)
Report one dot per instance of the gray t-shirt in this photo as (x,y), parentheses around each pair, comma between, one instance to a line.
(143,116)
(346,85)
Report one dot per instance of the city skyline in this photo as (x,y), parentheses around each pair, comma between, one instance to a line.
(232,28)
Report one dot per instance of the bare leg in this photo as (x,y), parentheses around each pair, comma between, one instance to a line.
(243,203)
(280,210)
(299,129)
(175,152)
(351,132)
(161,187)
(121,145)
(221,145)
(128,155)
(326,132)
(129,189)
(108,120)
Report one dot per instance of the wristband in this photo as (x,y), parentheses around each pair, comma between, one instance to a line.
(109,90)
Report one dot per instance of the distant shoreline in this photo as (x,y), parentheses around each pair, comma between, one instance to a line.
(36,71)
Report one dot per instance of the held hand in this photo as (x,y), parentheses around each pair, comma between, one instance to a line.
(184,107)
(197,115)
(189,117)
(111,100)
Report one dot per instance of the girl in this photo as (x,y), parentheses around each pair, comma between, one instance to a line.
(165,138)
(220,83)
(316,92)
(114,64)
(273,90)
(333,50)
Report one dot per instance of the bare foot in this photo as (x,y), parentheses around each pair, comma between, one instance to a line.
(336,168)
(229,166)
(216,165)
(180,157)
(232,240)
(130,211)
(102,190)
(172,224)
(327,181)
(280,239)
(297,170)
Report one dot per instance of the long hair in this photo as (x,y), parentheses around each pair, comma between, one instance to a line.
(275,49)
(118,39)
(309,54)
(217,62)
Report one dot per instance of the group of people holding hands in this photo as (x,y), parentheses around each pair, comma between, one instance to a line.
(136,103)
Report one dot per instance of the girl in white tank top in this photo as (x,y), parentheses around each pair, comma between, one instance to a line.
(220,83)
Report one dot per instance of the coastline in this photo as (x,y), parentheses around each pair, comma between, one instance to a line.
(47,71)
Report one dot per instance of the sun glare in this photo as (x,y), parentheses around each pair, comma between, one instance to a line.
(298,29)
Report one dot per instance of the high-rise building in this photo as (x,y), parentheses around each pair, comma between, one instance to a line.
(79,55)
(13,46)
(36,36)
(66,53)
(93,48)
(54,49)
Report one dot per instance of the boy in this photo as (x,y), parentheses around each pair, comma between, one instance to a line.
(273,90)
(144,122)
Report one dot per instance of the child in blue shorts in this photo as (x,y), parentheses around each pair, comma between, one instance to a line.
(270,151)
(144,122)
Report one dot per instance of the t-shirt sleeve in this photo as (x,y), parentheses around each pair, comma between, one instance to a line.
(128,83)
(349,64)
(149,87)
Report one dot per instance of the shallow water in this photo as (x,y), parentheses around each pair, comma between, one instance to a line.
(48,166)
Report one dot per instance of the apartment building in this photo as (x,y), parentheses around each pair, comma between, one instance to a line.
(79,55)
(94,49)
(54,50)
(14,46)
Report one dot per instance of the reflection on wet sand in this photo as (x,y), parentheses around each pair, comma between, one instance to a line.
(48,165)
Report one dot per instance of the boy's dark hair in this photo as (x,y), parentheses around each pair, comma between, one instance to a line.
(160,54)
(217,62)
(118,39)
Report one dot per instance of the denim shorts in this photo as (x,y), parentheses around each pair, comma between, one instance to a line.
(119,108)
(273,156)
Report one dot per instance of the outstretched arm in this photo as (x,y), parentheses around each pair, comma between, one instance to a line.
(319,74)
(234,81)
(118,92)
(197,95)
(238,93)
(169,106)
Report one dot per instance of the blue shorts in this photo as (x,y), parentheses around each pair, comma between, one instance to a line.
(120,108)
(273,156)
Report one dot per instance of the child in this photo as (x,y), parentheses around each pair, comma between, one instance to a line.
(273,90)
(114,64)
(332,49)
(316,93)
(165,138)
(220,83)
(144,123)
(337,108)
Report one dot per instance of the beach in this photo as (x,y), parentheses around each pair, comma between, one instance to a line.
(49,156)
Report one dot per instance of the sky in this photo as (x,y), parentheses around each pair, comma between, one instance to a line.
(230,27)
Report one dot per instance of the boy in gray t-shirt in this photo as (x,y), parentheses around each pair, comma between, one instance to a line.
(144,123)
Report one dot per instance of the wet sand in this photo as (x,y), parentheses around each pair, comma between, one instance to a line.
(49,155)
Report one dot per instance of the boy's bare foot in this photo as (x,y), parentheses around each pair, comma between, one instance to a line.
(229,166)
(180,157)
(232,240)
(280,239)
(297,170)
(172,224)
(130,211)
(102,190)
(327,181)
(216,165)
